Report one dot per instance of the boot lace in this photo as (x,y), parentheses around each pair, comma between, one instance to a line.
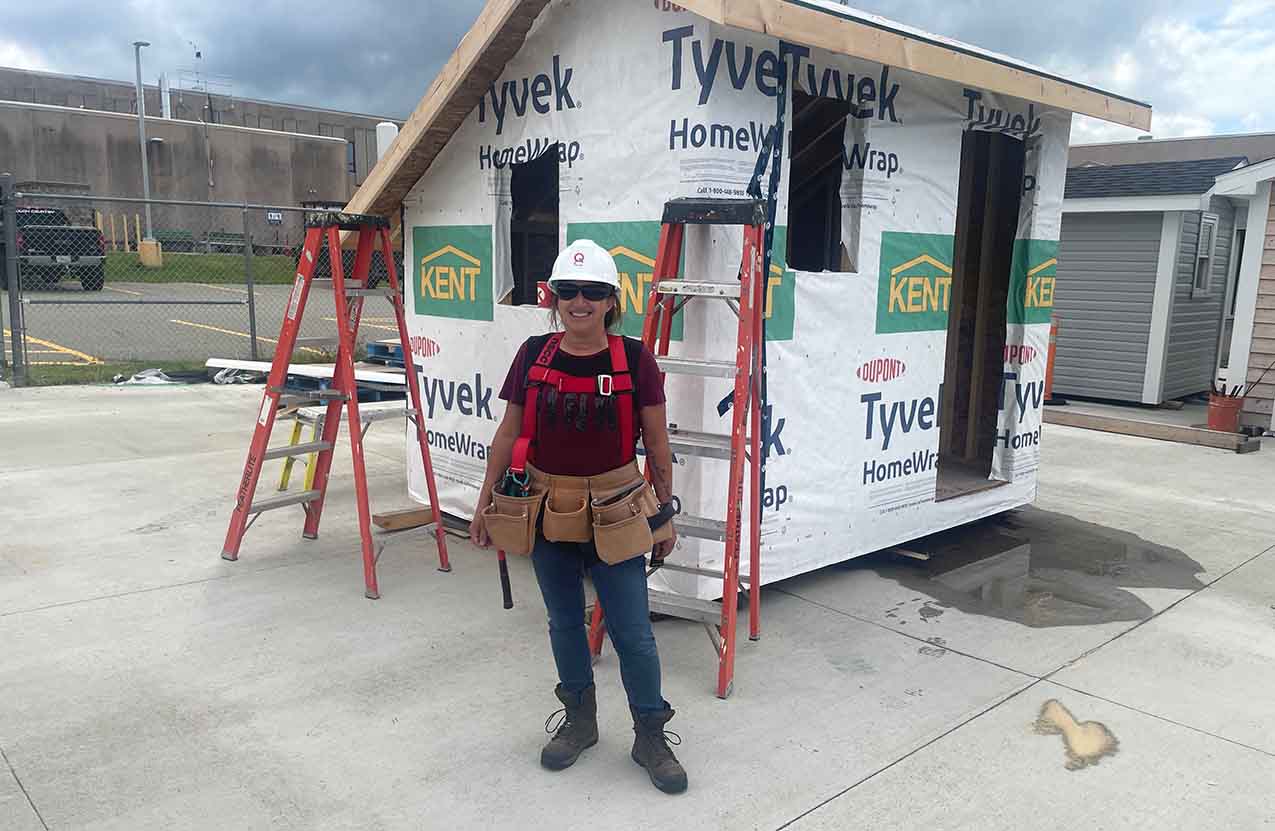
(660,741)
(564,727)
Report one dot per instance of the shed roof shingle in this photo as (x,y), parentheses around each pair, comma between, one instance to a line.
(1148,178)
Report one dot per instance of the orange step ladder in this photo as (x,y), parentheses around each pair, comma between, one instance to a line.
(746,296)
(373,234)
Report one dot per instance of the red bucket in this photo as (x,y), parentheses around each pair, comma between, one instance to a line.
(1224,412)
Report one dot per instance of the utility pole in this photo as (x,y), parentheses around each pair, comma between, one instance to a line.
(141,136)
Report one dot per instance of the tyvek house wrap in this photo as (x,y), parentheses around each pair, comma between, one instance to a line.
(646,104)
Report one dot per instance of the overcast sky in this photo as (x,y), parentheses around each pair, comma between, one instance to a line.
(1206,67)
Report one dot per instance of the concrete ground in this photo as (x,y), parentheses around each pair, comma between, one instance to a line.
(147,684)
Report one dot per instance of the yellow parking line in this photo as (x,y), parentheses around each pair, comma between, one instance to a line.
(124,291)
(222,288)
(240,334)
(59,348)
(364,323)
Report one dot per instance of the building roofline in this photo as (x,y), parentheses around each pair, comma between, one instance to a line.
(131,85)
(13,105)
(1167,139)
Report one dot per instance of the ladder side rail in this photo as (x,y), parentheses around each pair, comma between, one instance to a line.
(345,366)
(270,398)
(749,274)
(414,398)
(755,461)
(344,315)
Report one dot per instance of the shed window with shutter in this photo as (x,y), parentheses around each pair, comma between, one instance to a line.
(1204,256)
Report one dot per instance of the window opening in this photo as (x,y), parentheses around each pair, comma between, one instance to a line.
(814,190)
(1204,255)
(533,223)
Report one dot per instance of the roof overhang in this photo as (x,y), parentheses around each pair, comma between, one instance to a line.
(502,26)
(850,32)
(1244,181)
(1127,204)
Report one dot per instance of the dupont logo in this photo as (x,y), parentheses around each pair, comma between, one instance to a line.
(881,369)
(1020,353)
(425,347)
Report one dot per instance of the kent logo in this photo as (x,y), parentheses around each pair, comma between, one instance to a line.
(915,282)
(453,271)
(630,242)
(870,96)
(1032,280)
(541,93)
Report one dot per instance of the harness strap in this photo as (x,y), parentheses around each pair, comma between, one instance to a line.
(522,445)
(620,367)
(620,382)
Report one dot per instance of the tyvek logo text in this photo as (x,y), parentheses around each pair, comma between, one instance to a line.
(542,93)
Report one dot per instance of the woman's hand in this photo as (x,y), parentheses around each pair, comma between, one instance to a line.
(664,548)
(478,527)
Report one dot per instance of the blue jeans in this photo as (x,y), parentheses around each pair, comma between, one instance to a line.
(622,591)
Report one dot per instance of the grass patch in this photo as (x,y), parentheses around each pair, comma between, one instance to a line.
(49,375)
(267,269)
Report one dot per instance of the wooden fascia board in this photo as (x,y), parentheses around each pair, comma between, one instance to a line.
(813,27)
(377,193)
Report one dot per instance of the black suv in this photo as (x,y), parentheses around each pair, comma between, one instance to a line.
(51,248)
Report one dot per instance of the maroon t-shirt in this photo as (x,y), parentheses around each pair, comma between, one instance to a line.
(578,434)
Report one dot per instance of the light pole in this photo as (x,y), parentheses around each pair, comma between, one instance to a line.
(141,135)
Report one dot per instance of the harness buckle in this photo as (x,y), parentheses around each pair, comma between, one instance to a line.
(606,385)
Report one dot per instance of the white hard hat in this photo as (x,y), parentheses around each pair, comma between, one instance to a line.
(584,261)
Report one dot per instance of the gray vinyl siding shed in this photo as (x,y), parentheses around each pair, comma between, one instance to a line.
(1112,259)
(1103,297)
(1195,321)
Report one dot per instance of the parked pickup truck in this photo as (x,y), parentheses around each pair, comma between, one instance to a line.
(51,248)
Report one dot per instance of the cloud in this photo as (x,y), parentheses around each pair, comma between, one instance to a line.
(1204,66)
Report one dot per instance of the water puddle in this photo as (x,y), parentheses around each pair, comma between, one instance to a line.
(1035,567)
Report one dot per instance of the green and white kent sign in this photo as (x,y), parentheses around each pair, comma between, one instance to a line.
(915,282)
(453,271)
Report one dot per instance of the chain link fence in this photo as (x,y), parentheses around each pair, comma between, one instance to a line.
(95,286)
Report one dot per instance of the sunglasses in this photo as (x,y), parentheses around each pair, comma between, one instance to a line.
(591,291)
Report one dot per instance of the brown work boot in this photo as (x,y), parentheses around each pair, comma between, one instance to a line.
(576,730)
(651,750)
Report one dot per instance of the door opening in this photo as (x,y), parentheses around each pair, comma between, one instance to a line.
(533,223)
(991,184)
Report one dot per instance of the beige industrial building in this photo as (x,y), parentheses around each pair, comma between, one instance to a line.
(71,146)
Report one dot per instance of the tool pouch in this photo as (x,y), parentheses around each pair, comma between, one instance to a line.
(566,516)
(511,521)
(620,529)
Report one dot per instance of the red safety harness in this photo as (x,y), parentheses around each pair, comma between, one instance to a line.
(619,382)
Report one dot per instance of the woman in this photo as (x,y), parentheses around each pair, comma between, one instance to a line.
(576,402)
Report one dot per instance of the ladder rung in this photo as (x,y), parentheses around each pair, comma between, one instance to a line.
(686,608)
(689,366)
(689,525)
(283,501)
(313,395)
(696,211)
(702,572)
(302,449)
(697,288)
(706,445)
(384,291)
